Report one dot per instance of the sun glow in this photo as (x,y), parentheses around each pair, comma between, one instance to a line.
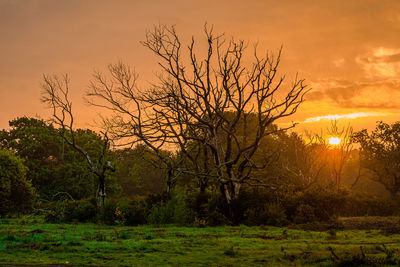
(334,141)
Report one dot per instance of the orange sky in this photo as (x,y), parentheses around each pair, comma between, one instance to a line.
(348,51)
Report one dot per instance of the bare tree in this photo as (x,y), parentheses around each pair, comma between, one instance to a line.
(341,152)
(337,154)
(55,94)
(305,159)
(199,106)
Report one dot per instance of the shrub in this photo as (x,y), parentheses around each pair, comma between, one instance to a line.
(120,212)
(369,205)
(276,215)
(217,211)
(174,210)
(82,210)
(68,210)
(16,192)
(197,202)
(289,204)
(56,211)
(134,211)
(324,203)
(304,214)
(109,214)
(161,214)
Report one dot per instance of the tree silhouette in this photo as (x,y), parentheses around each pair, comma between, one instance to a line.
(202,100)
(55,94)
(380,154)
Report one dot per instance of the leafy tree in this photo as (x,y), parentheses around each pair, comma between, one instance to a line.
(16,192)
(38,144)
(54,168)
(138,171)
(380,154)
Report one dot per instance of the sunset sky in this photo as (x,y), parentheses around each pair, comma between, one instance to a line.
(347,50)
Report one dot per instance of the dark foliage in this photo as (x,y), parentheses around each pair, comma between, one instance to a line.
(369,205)
(54,168)
(68,210)
(16,192)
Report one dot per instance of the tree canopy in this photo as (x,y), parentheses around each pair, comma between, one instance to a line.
(380,153)
(16,192)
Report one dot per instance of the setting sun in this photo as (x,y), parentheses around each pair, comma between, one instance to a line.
(334,141)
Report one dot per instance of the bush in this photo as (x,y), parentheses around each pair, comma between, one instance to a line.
(288,204)
(16,192)
(217,211)
(114,212)
(197,202)
(56,211)
(276,215)
(110,213)
(304,214)
(134,211)
(369,205)
(68,210)
(321,203)
(174,210)
(81,211)
(207,208)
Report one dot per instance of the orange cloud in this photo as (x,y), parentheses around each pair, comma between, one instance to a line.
(380,94)
(381,62)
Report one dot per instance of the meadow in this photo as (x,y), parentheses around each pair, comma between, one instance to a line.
(32,242)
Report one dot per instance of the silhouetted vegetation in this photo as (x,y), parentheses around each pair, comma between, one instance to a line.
(66,188)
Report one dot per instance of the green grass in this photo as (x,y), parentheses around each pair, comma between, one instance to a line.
(35,243)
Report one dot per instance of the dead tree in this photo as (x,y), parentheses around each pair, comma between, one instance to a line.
(55,94)
(337,156)
(199,105)
(305,160)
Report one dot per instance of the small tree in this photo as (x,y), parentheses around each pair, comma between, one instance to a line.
(38,144)
(302,159)
(332,150)
(16,192)
(202,100)
(339,153)
(380,154)
(54,168)
(55,94)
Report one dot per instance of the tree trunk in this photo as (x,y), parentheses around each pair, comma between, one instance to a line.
(230,191)
(202,185)
(101,193)
(169,182)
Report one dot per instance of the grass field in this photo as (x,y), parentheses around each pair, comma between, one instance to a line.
(30,242)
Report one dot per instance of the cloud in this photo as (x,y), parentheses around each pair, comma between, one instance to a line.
(380,94)
(339,62)
(349,116)
(380,62)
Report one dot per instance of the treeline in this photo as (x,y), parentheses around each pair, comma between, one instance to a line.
(299,180)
